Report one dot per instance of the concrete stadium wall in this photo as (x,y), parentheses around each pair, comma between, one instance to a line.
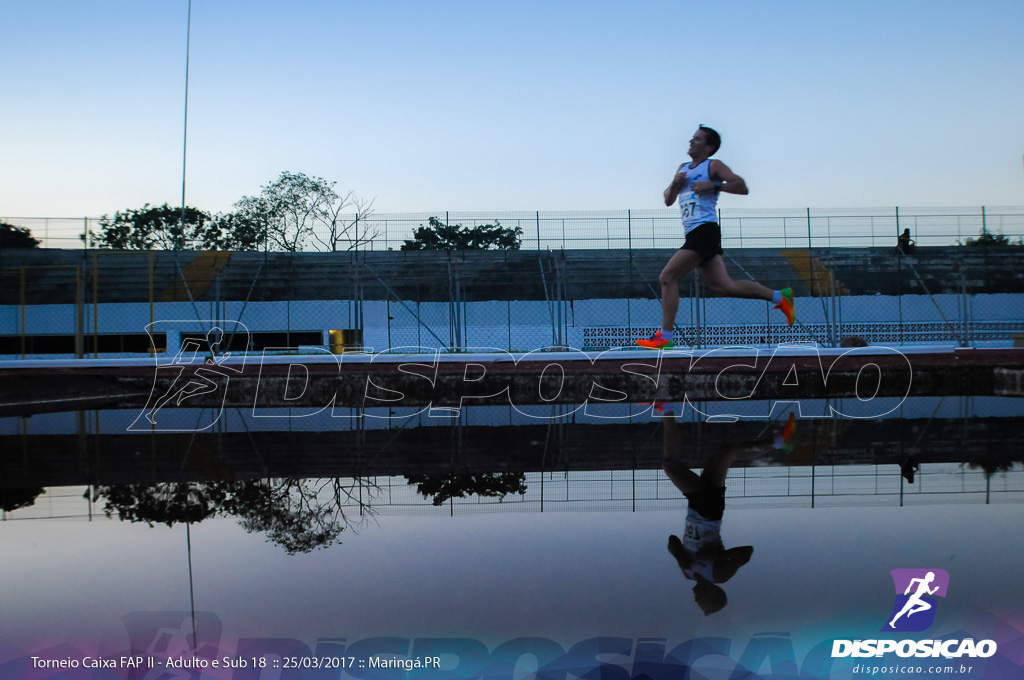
(512,300)
(991,320)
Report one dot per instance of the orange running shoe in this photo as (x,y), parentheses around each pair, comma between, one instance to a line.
(659,406)
(786,305)
(656,342)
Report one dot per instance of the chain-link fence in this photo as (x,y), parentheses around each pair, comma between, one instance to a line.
(622,490)
(628,229)
(89,303)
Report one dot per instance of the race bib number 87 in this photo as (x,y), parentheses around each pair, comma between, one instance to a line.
(688,204)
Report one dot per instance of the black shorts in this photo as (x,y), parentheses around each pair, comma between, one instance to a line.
(708,501)
(706,240)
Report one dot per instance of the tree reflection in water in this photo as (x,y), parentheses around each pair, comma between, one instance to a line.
(14,499)
(300,515)
(446,487)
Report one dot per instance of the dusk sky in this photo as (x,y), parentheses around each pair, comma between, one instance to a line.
(426,106)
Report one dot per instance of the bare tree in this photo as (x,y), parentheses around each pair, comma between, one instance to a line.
(300,515)
(349,231)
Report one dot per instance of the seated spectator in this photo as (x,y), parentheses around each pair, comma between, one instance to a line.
(904,243)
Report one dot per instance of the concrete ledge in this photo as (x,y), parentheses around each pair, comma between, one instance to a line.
(398,381)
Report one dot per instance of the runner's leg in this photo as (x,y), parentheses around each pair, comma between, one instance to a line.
(684,479)
(681,264)
(718,278)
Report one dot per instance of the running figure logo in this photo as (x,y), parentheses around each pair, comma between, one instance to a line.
(914,609)
(200,368)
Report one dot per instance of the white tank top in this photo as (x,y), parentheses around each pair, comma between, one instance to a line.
(701,532)
(697,209)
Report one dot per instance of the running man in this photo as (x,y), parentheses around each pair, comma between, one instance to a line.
(915,604)
(700,554)
(696,185)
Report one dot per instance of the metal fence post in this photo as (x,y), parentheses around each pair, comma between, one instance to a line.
(966,334)
(559,299)
(21,299)
(970,312)
(79,314)
(629,294)
(95,305)
(538,230)
(699,318)
(899,296)
(152,338)
(834,289)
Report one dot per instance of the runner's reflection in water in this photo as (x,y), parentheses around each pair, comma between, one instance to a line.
(701,553)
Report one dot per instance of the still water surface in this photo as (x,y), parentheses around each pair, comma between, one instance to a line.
(492,528)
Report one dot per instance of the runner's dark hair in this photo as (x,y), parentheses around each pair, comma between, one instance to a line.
(712,137)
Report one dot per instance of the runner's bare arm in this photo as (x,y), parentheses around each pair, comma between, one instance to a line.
(720,172)
(678,182)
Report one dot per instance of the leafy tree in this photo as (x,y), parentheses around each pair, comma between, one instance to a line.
(445,487)
(300,515)
(248,227)
(987,238)
(441,236)
(992,464)
(292,212)
(163,503)
(294,204)
(14,499)
(162,227)
(16,237)
(341,233)
(297,210)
